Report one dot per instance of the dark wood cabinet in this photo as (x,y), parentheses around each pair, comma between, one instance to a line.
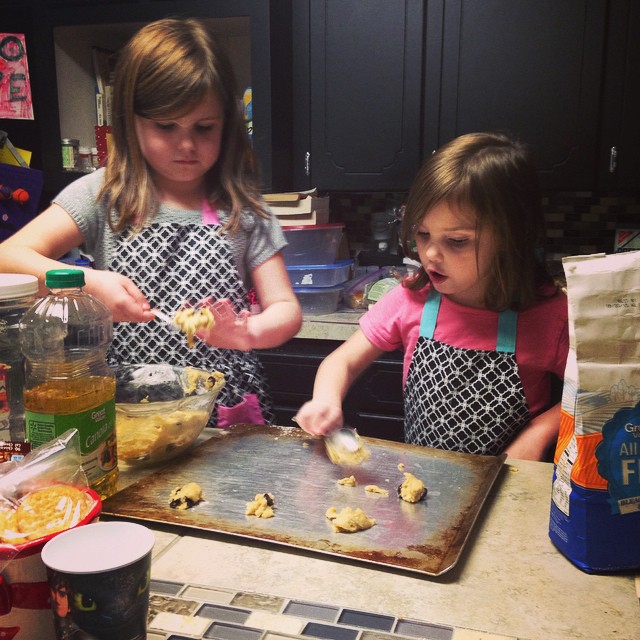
(352,96)
(533,68)
(619,160)
(380,85)
(374,404)
(358,75)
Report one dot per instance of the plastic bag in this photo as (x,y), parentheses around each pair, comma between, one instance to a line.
(44,493)
(366,290)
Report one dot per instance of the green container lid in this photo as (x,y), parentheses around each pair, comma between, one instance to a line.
(64,278)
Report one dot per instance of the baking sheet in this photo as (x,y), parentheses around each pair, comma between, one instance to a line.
(427,537)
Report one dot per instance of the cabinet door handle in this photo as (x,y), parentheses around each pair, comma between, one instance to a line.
(613,159)
(307,163)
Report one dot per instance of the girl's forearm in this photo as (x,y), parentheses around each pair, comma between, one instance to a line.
(21,259)
(537,437)
(332,382)
(340,369)
(273,326)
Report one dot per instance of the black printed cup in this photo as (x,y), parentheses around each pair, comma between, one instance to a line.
(99,581)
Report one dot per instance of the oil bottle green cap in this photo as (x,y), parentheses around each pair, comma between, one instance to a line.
(64,278)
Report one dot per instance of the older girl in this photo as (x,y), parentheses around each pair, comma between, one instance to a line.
(175,217)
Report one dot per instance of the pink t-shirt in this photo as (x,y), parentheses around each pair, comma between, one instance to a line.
(542,339)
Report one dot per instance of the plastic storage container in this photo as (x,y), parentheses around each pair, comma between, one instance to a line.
(68,384)
(17,295)
(320,275)
(318,300)
(312,244)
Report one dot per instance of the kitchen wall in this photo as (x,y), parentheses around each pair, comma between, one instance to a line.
(577,223)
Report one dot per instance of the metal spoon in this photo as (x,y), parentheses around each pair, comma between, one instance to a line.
(164,317)
(344,446)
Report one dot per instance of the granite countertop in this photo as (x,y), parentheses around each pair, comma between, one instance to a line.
(510,582)
(332,326)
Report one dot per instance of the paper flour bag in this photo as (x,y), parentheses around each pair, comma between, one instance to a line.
(595,507)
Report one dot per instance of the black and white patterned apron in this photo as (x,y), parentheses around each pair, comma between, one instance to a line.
(173,263)
(464,399)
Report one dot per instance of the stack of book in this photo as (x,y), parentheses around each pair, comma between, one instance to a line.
(103,66)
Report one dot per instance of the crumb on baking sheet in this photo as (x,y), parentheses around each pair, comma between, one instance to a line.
(374,488)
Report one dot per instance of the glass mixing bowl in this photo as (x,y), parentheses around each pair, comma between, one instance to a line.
(161,410)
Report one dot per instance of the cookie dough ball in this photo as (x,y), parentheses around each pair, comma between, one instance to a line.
(186,496)
(190,321)
(349,520)
(412,489)
(348,482)
(261,506)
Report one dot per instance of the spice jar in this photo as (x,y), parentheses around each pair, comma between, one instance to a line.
(84,160)
(70,150)
(95,161)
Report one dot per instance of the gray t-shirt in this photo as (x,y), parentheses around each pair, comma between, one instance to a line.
(257,239)
(175,260)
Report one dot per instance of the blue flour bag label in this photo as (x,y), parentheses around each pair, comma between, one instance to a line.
(595,505)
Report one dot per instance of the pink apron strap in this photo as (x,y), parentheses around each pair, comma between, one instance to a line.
(209,214)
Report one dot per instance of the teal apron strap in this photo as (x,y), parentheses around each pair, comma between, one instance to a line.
(507,323)
(430,315)
(507,326)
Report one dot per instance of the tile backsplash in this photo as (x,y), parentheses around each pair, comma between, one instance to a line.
(577,222)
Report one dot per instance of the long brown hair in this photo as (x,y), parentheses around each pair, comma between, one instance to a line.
(166,69)
(494,176)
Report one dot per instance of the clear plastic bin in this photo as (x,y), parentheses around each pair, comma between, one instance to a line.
(312,244)
(320,275)
(317,301)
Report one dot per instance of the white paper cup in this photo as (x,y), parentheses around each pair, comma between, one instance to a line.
(99,580)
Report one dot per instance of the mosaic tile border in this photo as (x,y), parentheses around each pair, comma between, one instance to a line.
(189,611)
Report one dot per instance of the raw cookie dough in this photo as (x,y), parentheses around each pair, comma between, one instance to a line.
(412,489)
(186,496)
(342,456)
(261,506)
(373,488)
(190,321)
(349,520)
(197,378)
(350,481)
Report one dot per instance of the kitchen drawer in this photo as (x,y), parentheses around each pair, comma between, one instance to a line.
(374,404)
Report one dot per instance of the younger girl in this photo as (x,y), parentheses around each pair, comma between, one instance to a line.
(175,217)
(482,327)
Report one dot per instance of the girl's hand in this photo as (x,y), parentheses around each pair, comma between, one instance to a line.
(126,302)
(231,329)
(319,418)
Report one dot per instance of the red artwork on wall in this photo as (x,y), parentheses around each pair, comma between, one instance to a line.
(15,89)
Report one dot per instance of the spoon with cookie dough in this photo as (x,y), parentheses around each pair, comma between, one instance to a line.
(344,446)
(189,320)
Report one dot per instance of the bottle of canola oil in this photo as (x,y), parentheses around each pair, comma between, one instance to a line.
(68,384)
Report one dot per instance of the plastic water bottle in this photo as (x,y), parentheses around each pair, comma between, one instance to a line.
(68,383)
(17,293)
